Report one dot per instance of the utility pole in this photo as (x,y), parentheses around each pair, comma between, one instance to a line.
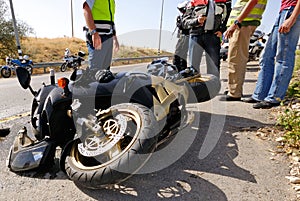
(15,29)
(72,22)
(160,28)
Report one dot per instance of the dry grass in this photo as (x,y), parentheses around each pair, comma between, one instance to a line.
(50,50)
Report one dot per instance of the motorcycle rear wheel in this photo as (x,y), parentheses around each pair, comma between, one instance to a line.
(63,67)
(121,161)
(5,73)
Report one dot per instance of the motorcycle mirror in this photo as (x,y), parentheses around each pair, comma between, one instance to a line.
(23,77)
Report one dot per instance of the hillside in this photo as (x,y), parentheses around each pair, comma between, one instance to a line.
(50,50)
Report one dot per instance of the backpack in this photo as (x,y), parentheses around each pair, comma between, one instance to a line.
(205,2)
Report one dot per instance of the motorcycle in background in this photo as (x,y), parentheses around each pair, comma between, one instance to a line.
(72,61)
(12,64)
(256,45)
(224,49)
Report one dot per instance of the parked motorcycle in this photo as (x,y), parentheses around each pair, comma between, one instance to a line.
(107,125)
(256,45)
(73,61)
(224,50)
(12,64)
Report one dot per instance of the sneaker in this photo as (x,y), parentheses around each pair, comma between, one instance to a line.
(250,100)
(229,98)
(265,105)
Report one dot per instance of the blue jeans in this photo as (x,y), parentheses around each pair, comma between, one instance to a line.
(277,61)
(211,44)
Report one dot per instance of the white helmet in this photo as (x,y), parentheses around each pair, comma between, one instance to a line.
(26,57)
(182,6)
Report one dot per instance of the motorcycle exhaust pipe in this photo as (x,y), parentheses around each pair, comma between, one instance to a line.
(52,76)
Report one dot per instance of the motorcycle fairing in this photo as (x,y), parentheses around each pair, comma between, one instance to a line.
(125,87)
(42,95)
(20,63)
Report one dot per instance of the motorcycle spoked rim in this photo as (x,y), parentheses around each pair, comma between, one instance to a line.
(74,153)
(6,73)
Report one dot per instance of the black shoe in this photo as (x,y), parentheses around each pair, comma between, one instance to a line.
(229,98)
(250,100)
(265,105)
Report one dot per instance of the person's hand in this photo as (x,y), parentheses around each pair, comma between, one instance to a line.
(201,20)
(116,43)
(97,43)
(229,32)
(218,34)
(286,26)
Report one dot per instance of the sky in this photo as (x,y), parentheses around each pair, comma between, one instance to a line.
(136,20)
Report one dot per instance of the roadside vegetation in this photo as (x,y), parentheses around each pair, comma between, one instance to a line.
(43,50)
(8,45)
(52,50)
(288,120)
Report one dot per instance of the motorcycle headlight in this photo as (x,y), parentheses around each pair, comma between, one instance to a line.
(29,158)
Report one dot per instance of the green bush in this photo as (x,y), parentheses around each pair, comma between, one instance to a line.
(297,63)
(289,119)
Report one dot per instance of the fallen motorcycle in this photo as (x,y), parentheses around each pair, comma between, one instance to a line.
(106,124)
(12,64)
(73,61)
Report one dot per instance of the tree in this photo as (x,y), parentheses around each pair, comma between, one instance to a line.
(7,35)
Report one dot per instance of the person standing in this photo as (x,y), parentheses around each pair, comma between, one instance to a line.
(182,46)
(206,21)
(101,35)
(278,58)
(245,17)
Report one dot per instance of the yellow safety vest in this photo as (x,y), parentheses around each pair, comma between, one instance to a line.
(103,12)
(255,14)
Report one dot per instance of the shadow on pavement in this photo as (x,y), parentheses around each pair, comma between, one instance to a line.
(183,180)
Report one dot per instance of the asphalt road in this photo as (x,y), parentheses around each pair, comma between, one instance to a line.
(225,160)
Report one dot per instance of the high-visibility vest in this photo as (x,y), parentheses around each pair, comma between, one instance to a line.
(103,12)
(255,14)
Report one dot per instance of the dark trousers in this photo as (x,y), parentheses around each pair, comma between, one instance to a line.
(211,44)
(181,51)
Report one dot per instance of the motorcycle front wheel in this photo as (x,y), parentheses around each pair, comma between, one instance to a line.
(63,67)
(6,73)
(124,158)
